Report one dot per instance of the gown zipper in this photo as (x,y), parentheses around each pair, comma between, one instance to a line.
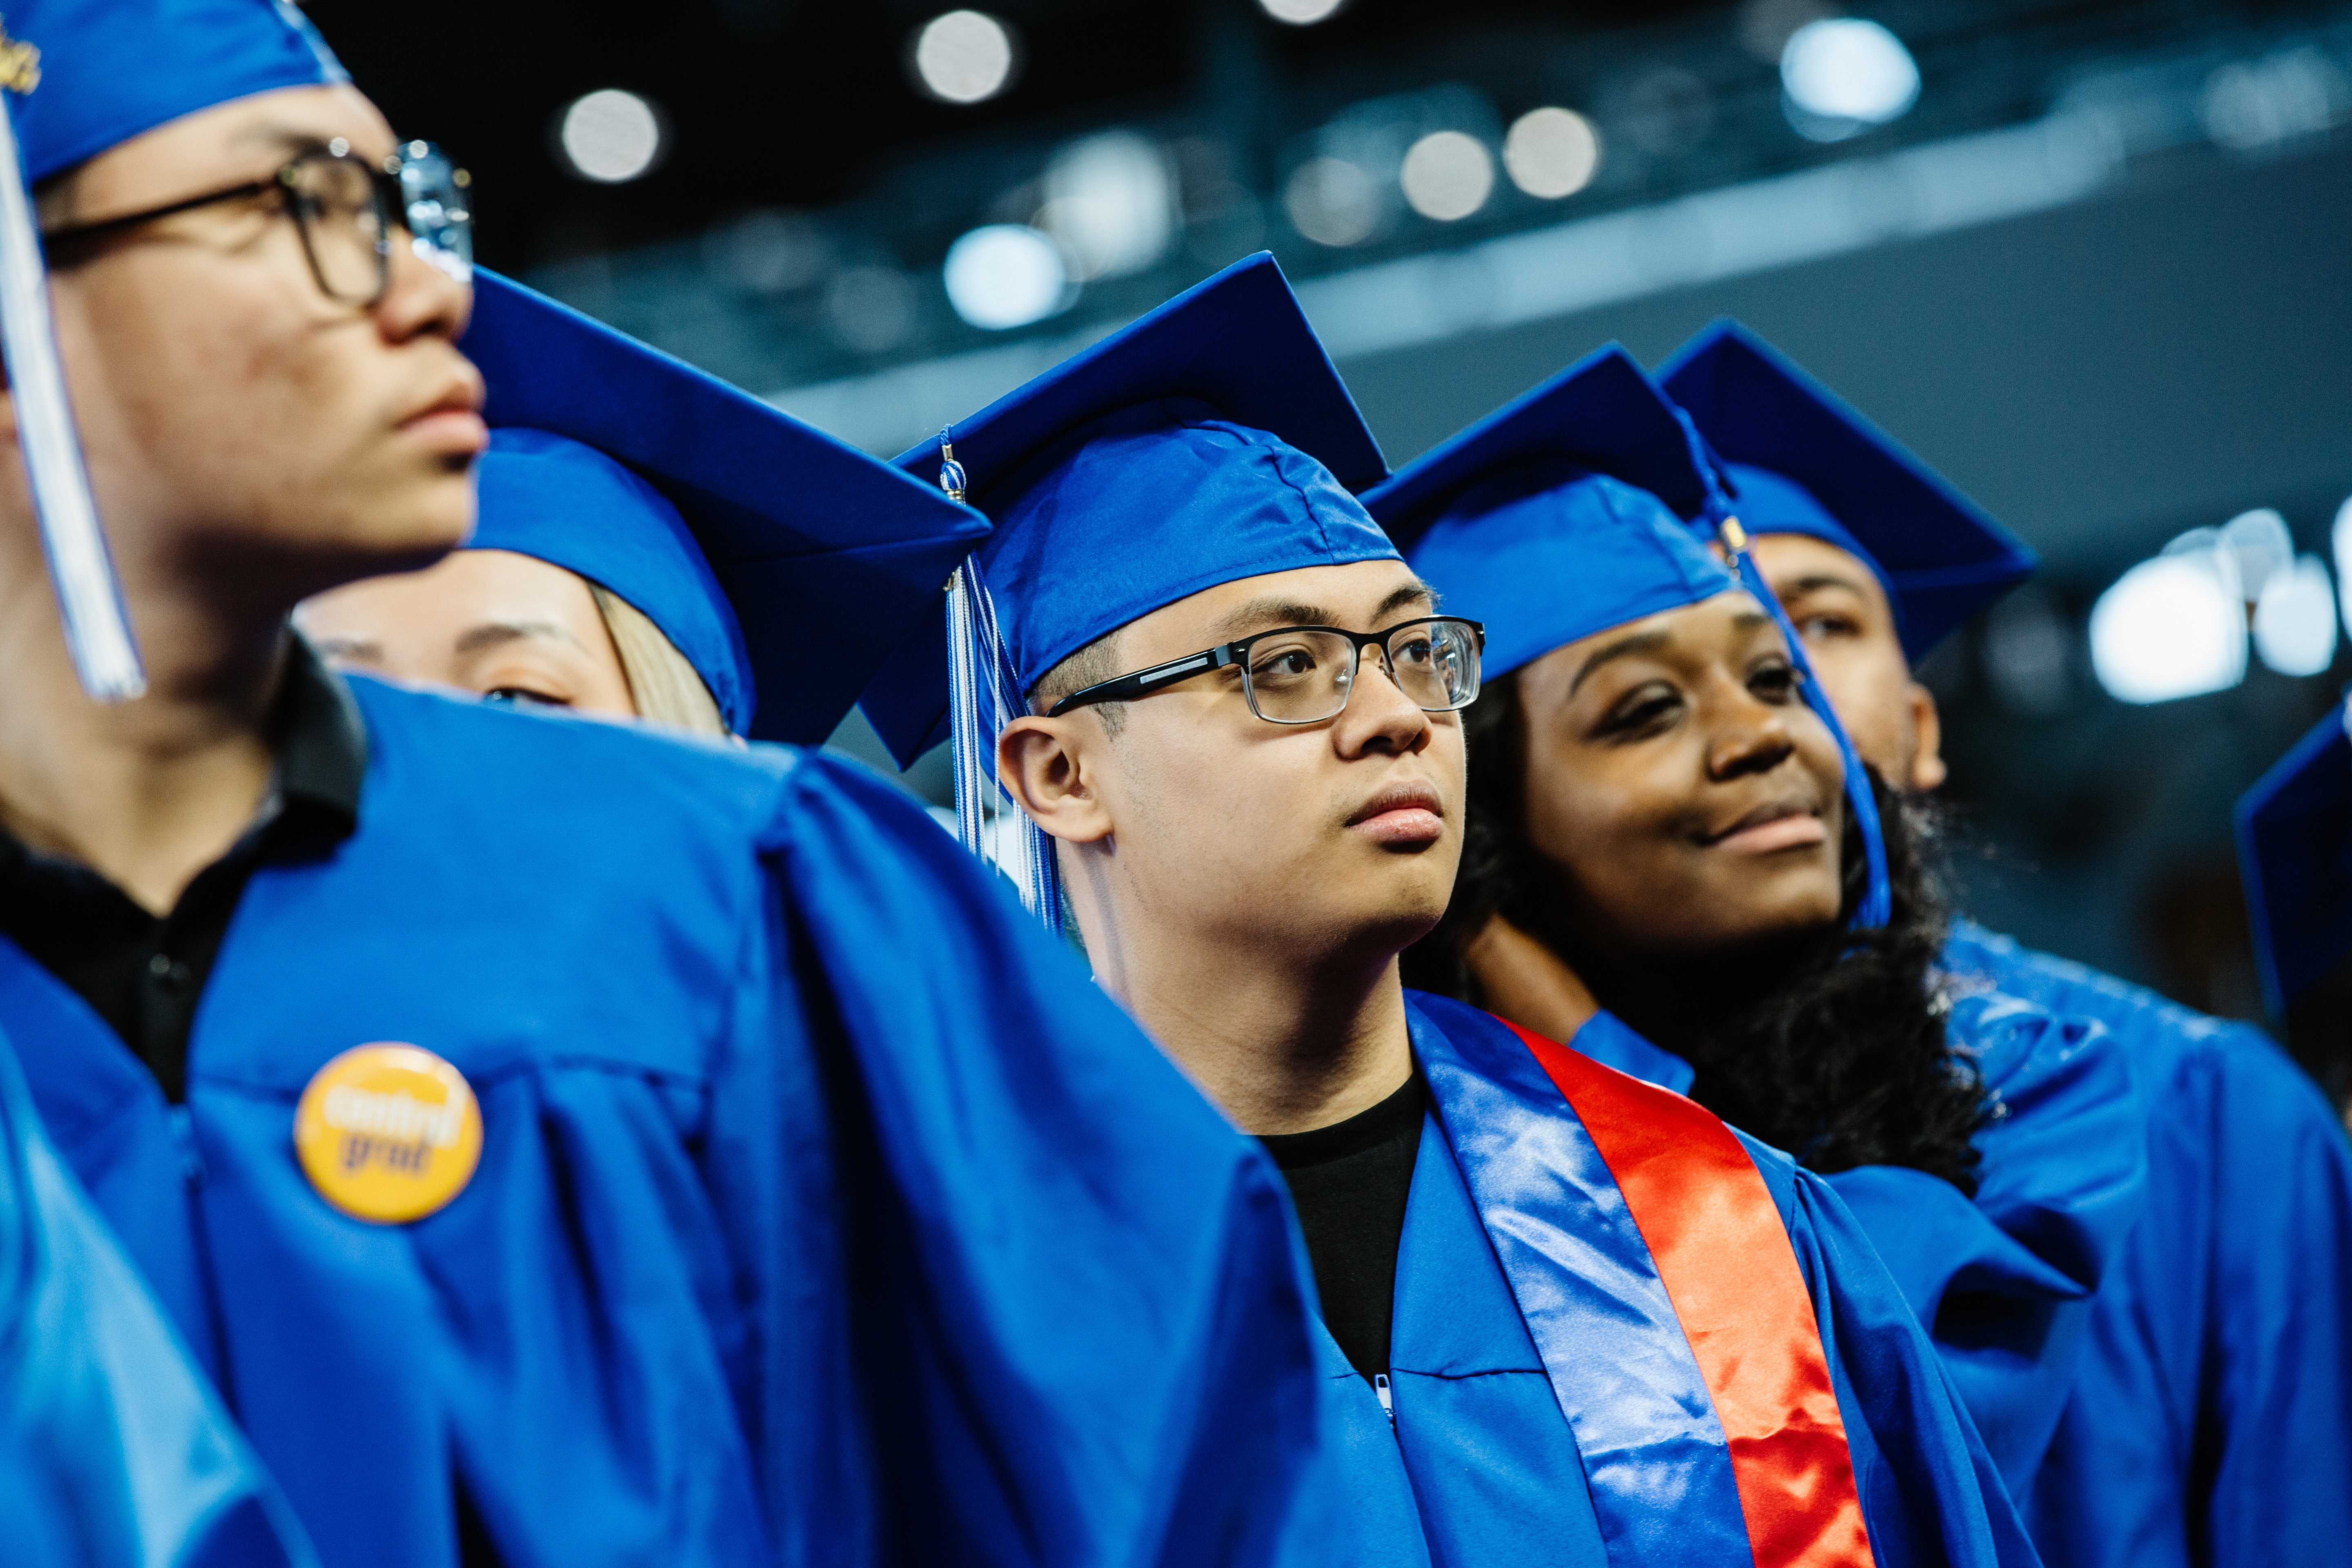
(1387,1404)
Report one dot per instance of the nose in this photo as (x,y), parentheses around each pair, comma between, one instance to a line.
(423,299)
(1751,737)
(1380,718)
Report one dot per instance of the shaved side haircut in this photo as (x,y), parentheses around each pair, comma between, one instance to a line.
(1090,666)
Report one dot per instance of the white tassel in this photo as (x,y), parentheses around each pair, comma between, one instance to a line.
(90,599)
(983,697)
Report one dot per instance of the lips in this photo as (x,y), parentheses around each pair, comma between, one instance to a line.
(1407,812)
(1781,824)
(454,417)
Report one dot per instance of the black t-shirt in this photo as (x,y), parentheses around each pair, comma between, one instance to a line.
(1350,1182)
(144,973)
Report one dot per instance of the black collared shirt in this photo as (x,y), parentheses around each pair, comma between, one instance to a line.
(144,973)
(1350,1182)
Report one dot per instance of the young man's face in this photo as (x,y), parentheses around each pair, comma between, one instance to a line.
(1335,841)
(1840,608)
(242,428)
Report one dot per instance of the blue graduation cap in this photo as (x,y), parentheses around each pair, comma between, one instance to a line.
(2295,852)
(1800,460)
(1561,514)
(76,77)
(1209,440)
(782,564)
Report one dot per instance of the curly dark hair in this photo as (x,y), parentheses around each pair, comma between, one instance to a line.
(1832,1049)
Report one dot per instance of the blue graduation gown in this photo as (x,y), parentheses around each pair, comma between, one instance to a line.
(114,1451)
(2004,1282)
(1496,1443)
(2211,1422)
(825,1214)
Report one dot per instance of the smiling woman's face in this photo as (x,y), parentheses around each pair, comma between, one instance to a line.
(1675,776)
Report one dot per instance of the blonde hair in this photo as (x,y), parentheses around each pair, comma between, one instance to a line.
(664,687)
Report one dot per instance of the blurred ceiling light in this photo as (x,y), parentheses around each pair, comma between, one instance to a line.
(1844,75)
(1110,203)
(610,136)
(2340,536)
(2171,627)
(1005,274)
(963,57)
(1331,202)
(1302,13)
(2295,620)
(2247,105)
(1447,174)
(2259,546)
(1551,152)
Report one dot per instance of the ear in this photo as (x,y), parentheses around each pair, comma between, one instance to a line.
(1927,770)
(1049,767)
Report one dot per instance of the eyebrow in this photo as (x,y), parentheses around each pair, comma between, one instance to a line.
(1623,647)
(1814,582)
(359,650)
(494,634)
(1279,612)
(281,136)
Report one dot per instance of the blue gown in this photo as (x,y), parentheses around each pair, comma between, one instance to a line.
(1502,1453)
(114,1451)
(2211,1420)
(2003,1282)
(825,1212)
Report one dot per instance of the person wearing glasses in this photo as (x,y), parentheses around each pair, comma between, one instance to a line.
(1662,794)
(1567,1317)
(2213,1379)
(555,1142)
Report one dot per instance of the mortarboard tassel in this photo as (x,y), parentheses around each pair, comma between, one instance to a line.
(983,697)
(90,599)
(1877,907)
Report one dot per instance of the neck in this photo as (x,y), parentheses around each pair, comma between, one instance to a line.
(146,793)
(1282,1046)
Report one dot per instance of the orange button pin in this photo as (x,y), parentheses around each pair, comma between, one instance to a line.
(388,1133)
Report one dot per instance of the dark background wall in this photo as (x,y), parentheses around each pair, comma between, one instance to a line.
(2101,378)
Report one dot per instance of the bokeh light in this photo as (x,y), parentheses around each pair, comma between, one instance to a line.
(1301,13)
(1111,203)
(2295,620)
(1551,152)
(610,136)
(1332,202)
(1447,175)
(1843,75)
(964,57)
(2172,627)
(1005,274)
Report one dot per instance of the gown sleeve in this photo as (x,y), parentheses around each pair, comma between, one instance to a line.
(1034,1299)
(2004,1282)
(114,1451)
(2214,1419)
(1930,1493)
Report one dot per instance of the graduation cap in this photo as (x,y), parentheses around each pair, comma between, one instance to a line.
(2295,852)
(1556,516)
(1208,441)
(76,77)
(783,565)
(1800,460)
(1562,514)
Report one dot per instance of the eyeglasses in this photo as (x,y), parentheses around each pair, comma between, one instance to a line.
(1304,675)
(345,209)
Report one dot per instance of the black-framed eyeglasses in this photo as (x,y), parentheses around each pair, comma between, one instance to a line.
(345,208)
(1304,675)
